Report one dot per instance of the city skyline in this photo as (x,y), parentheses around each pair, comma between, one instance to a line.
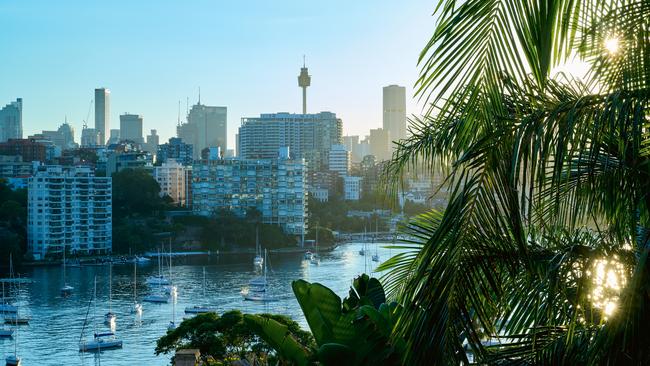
(348,69)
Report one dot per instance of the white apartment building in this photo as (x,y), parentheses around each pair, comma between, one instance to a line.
(275,187)
(68,207)
(339,160)
(352,188)
(174,179)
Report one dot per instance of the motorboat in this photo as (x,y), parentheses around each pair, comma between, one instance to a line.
(308,255)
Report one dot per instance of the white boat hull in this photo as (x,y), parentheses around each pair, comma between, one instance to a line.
(160,281)
(99,345)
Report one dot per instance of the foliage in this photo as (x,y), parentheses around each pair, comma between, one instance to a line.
(325,236)
(13,223)
(135,192)
(334,215)
(355,331)
(226,337)
(548,177)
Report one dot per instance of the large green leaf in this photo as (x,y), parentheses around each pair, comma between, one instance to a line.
(322,309)
(279,337)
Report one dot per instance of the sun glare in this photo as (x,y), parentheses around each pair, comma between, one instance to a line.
(612,45)
(608,277)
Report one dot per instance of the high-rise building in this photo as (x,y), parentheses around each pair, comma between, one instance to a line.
(352,145)
(114,137)
(152,142)
(131,128)
(275,187)
(380,143)
(174,179)
(206,127)
(339,160)
(175,149)
(63,137)
(90,137)
(102,114)
(395,113)
(308,136)
(69,208)
(11,121)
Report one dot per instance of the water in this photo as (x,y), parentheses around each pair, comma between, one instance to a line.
(52,337)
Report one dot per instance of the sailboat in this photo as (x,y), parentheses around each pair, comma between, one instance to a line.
(200,309)
(171,289)
(363,240)
(14,317)
(160,279)
(258,260)
(5,307)
(315,258)
(136,308)
(66,290)
(101,341)
(172,324)
(110,317)
(14,360)
(375,257)
(257,287)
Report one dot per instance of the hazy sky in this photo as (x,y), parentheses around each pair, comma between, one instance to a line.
(245,55)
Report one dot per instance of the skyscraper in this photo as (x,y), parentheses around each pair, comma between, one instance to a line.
(380,143)
(205,127)
(152,142)
(131,128)
(11,121)
(395,113)
(103,114)
(308,136)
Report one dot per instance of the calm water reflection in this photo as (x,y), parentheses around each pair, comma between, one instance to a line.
(52,336)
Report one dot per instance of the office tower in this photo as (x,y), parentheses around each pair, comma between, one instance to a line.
(11,121)
(308,136)
(173,178)
(205,127)
(175,149)
(395,113)
(352,145)
(275,187)
(63,137)
(304,81)
(380,143)
(114,137)
(351,188)
(152,142)
(131,128)
(90,137)
(102,114)
(339,160)
(68,208)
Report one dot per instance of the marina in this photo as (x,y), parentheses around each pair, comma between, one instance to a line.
(56,321)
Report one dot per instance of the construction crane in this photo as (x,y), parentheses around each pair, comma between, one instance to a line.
(85,121)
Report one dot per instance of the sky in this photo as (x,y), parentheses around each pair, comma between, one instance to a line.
(245,55)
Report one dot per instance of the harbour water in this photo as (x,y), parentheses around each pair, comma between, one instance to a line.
(53,334)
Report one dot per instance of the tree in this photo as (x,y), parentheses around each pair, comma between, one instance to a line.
(226,337)
(355,331)
(135,192)
(548,177)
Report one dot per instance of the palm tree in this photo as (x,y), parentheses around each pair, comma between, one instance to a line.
(541,256)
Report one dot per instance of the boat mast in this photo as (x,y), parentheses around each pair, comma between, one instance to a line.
(110,287)
(135,287)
